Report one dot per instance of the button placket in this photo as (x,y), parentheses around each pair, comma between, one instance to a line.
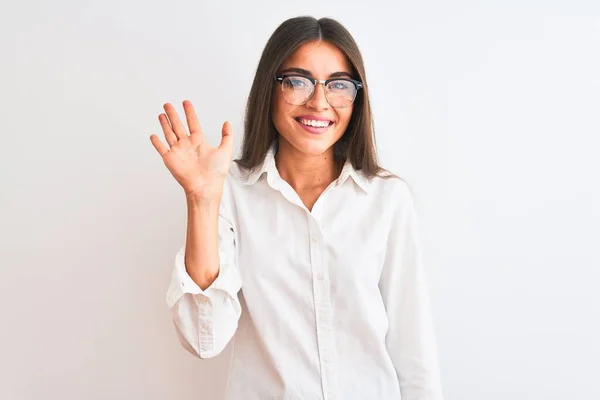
(323,312)
(204,306)
(205,326)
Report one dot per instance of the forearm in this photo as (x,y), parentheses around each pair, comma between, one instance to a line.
(202,240)
(203,290)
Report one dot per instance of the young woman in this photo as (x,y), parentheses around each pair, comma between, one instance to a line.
(304,250)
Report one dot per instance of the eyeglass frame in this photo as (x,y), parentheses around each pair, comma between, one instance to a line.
(358,84)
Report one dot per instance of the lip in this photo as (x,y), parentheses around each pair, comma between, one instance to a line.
(314,117)
(314,129)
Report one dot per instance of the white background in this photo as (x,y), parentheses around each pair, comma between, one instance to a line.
(489,109)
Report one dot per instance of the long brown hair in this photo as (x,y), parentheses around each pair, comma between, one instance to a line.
(358,142)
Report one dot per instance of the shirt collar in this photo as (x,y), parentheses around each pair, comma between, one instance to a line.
(357,176)
(269,168)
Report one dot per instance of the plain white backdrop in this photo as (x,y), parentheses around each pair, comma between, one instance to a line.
(490,109)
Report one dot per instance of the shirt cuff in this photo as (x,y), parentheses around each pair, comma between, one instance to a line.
(182,283)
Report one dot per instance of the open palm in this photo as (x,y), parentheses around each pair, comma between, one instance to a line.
(198,167)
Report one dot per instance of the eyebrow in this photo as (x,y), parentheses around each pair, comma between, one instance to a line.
(308,73)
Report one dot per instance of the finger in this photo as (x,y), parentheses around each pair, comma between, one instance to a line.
(166,127)
(161,148)
(227,137)
(192,119)
(176,124)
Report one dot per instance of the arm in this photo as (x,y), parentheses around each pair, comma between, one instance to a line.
(203,291)
(411,338)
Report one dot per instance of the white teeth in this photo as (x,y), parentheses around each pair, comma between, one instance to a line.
(312,122)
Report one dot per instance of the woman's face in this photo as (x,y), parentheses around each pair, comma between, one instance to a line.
(297,124)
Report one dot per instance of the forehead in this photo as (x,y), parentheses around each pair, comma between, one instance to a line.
(320,58)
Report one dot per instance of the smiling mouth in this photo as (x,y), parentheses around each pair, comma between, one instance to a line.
(314,123)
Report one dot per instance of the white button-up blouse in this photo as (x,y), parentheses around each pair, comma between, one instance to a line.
(324,304)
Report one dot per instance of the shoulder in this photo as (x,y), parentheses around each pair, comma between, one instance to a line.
(237,173)
(238,184)
(234,181)
(391,187)
(393,195)
(239,178)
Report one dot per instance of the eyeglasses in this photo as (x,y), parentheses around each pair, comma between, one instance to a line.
(298,89)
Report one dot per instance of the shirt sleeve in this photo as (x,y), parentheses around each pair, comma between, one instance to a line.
(206,320)
(410,338)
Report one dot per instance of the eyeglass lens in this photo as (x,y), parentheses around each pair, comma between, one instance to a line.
(297,90)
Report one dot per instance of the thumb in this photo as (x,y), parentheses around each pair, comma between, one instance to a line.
(226,137)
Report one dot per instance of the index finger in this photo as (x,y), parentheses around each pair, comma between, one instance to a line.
(192,119)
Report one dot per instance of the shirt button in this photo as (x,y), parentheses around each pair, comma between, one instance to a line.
(315,239)
(320,275)
(204,299)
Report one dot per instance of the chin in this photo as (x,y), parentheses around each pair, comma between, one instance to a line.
(312,146)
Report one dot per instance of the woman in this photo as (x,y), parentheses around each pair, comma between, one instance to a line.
(304,248)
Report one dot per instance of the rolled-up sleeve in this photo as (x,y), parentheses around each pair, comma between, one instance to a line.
(410,339)
(206,320)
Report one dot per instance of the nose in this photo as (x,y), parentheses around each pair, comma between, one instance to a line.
(318,101)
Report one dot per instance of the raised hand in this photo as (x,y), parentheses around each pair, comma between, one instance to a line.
(199,167)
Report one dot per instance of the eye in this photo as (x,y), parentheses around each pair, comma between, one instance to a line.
(339,85)
(296,82)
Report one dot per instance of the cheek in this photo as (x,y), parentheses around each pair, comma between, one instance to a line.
(344,116)
(278,111)
(281,112)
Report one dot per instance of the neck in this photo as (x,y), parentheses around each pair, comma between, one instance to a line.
(306,172)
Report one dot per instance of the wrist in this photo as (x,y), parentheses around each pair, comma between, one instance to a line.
(206,195)
(195,201)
